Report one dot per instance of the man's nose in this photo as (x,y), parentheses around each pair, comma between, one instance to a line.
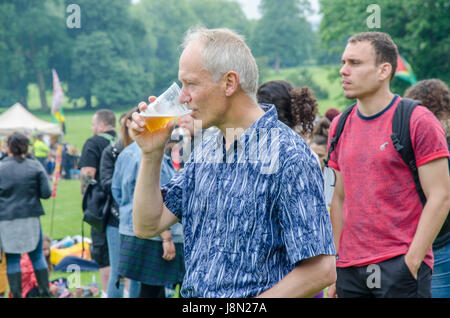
(184,96)
(344,70)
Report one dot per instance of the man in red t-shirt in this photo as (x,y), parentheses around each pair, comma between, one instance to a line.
(383,234)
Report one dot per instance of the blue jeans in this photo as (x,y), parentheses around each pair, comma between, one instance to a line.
(113,239)
(440,281)
(37,259)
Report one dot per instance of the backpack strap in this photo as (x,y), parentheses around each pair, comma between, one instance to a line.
(339,129)
(109,137)
(401,139)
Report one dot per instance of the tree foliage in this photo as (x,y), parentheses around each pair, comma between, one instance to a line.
(283,33)
(29,42)
(124,52)
(420,28)
(105,51)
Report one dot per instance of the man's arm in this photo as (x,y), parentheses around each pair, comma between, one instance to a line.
(308,278)
(150,215)
(86,176)
(435,182)
(336,208)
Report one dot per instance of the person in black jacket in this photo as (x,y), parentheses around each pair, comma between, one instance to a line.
(103,127)
(23,182)
(107,163)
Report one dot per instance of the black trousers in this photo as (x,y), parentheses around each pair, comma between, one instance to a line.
(149,291)
(388,279)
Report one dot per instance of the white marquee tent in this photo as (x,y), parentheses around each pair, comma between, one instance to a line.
(18,119)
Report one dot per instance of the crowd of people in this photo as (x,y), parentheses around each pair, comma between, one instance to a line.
(45,150)
(252,194)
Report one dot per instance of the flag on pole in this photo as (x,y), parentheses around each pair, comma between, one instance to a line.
(58,96)
(404,71)
(56,174)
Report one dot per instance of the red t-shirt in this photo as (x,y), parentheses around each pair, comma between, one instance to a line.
(381,207)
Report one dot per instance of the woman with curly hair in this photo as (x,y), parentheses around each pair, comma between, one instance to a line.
(434,94)
(296,107)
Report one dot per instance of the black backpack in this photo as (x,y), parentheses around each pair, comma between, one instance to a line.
(401,140)
(96,203)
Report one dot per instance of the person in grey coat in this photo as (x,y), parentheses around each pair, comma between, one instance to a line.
(23,182)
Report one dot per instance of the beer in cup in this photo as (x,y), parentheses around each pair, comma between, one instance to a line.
(165,108)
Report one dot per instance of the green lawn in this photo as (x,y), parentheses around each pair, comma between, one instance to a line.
(64,212)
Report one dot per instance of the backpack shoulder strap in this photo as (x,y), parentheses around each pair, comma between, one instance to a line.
(339,129)
(109,137)
(401,139)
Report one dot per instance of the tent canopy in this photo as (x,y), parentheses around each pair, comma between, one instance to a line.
(18,119)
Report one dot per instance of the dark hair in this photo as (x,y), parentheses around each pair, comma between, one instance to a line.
(126,139)
(434,94)
(46,238)
(295,106)
(385,48)
(331,113)
(18,145)
(321,126)
(107,117)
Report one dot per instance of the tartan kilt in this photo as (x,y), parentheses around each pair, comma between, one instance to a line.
(141,260)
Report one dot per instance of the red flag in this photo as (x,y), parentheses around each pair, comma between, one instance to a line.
(404,71)
(56,175)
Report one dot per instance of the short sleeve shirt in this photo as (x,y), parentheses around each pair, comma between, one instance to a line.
(92,152)
(381,207)
(250,213)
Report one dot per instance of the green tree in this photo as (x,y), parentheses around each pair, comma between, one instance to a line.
(283,33)
(420,28)
(165,23)
(31,36)
(105,61)
(221,14)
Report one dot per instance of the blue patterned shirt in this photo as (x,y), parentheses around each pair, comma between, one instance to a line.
(251,213)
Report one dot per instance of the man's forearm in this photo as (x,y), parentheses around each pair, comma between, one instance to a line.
(433,215)
(86,176)
(306,280)
(147,200)
(336,218)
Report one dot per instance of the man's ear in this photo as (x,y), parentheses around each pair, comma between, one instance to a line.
(385,71)
(231,81)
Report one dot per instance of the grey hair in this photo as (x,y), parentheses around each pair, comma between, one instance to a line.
(224,50)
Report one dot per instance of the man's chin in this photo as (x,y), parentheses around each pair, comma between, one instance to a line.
(349,95)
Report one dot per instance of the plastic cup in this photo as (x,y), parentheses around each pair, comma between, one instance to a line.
(164,109)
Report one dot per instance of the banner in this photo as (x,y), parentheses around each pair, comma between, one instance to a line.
(56,174)
(57,99)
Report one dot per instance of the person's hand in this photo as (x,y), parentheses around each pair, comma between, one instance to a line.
(331,291)
(169,250)
(412,266)
(149,141)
